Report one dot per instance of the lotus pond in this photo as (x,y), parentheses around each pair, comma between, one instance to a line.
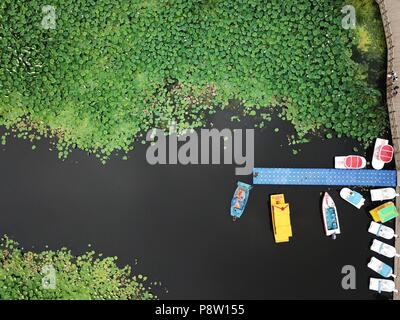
(107,72)
(101,74)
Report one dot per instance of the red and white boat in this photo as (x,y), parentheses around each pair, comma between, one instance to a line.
(350,162)
(383,153)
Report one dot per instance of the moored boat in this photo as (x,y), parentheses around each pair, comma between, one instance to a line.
(352,197)
(382,285)
(383,194)
(384,249)
(382,231)
(382,268)
(350,162)
(383,153)
(384,212)
(281,221)
(330,216)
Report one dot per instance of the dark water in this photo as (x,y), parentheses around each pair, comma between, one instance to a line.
(175,220)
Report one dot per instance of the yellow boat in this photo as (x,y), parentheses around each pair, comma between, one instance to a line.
(281,218)
(384,212)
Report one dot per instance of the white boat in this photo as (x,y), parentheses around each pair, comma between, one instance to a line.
(350,162)
(352,197)
(382,268)
(383,153)
(382,231)
(383,194)
(384,249)
(330,217)
(382,285)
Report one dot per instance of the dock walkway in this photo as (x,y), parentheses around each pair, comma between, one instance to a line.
(390,11)
(324,177)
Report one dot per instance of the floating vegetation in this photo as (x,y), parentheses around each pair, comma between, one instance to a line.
(105,72)
(370,35)
(58,275)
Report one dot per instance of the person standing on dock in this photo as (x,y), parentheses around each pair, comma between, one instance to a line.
(392,76)
(395,91)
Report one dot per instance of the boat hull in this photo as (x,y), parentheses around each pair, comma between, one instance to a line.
(382,231)
(281,221)
(352,197)
(382,285)
(350,162)
(383,194)
(330,216)
(378,164)
(237,212)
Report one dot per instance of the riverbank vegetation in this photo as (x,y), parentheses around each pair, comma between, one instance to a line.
(58,275)
(111,70)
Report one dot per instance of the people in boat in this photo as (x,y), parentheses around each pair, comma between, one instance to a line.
(240,196)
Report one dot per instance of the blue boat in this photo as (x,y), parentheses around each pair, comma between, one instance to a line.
(239,200)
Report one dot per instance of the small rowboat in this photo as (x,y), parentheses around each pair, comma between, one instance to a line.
(330,217)
(383,153)
(350,162)
(239,200)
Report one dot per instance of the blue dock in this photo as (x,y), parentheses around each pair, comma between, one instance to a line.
(325,177)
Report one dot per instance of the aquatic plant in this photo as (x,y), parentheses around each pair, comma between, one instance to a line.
(26,275)
(103,73)
(370,35)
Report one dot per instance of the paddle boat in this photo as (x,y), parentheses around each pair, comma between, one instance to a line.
(382,231)
(384,249)
(281,223)
(352,197)
(382,285)
(383,153)
(383,194)
(350,162)
(330,216)
(382,268)
(384,212)
(239,200)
